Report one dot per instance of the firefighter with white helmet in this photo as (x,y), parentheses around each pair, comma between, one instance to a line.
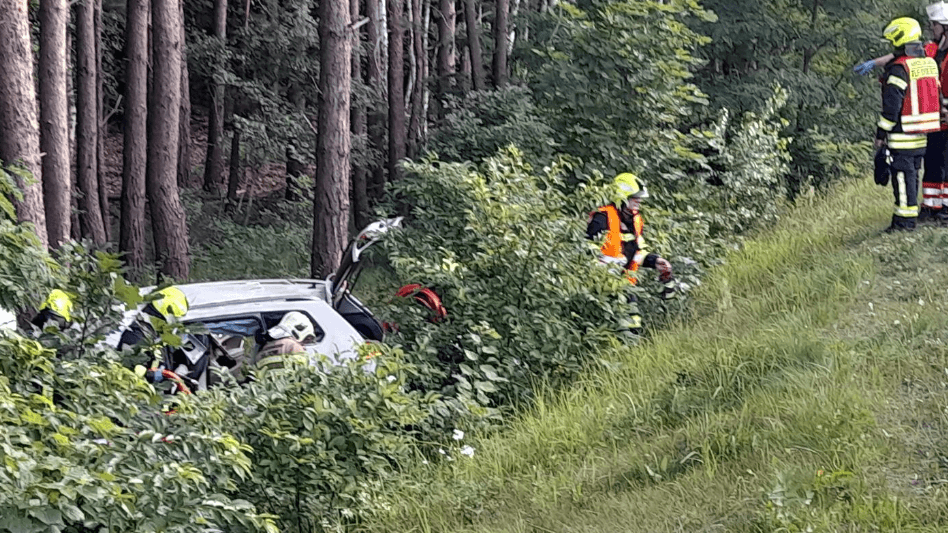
(624,244)
(284,342)
(910,111)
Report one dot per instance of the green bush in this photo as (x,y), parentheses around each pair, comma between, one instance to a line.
(483,122)
(527,299)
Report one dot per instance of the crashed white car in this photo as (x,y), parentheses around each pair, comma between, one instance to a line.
(235,311)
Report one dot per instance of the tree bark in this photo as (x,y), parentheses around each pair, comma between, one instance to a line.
(464,70)
(375,70)
(214,164)
(19,121)
(418,90)
(134,152)
(331,204)
(101,127)
(233,178)
(446,55)
(184,121)
(500,43)
(164,106)
(360,200)
(474,45)
(87,125)
(396,87)
(54,120)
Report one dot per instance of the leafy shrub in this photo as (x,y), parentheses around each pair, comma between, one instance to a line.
(483,122)
(614,79)
(319,434)
(83,439)
(527,300)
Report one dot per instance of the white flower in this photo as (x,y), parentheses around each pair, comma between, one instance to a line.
(391,379)
(467,450)
(458,434)
(424,461)
(442,452)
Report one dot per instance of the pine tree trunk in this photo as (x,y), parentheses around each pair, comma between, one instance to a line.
(417,95)
(102,127)
(360,199)
(500,43)
(214,163)
(396,86)
(446,55)
(54,120)
(375,72)
(474,45)
(184,121)
(233,178)
(87,125)
(134,152)
(19,121)
(331,205)
(164,107)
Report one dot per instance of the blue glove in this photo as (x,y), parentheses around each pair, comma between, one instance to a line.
(865,68)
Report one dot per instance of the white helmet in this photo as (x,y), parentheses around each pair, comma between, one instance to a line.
(293,324)
(938,12)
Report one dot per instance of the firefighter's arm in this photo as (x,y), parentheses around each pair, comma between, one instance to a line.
(598,223)
(895,82)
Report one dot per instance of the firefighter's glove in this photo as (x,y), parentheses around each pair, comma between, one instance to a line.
(863,69)
(881,171)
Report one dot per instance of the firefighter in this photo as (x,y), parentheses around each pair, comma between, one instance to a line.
(284,342)
(189,360)
(624,244)
(57,309)
(933,176)
(910,110)
(170,305)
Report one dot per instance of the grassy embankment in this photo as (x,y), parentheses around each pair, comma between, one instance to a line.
(810,393)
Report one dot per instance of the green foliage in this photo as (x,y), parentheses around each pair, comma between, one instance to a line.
(84,443)
(613,79)
(24,267)
(483,122)
(527,300)
(320,435)
(10,177)
(808,47)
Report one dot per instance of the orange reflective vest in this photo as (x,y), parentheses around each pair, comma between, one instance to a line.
(615,243)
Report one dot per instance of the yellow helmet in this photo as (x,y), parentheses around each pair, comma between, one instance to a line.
(171,302)
(902,31)
(626,185)
(60,303)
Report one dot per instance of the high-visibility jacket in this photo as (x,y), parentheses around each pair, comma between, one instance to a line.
(910,103)
(628,248)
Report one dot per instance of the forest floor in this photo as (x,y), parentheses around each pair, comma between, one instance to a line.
(256,181)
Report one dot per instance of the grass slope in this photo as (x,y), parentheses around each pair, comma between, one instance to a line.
(810,395)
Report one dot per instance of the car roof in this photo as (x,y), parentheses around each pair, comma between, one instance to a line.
(235,293)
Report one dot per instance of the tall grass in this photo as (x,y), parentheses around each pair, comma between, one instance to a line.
(806,393)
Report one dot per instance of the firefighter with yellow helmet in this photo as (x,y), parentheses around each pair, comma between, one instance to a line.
(910,111)
(624,244)
(56,309)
